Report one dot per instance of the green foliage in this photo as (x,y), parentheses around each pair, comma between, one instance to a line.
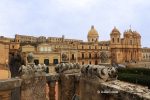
(139,71)
(135,75)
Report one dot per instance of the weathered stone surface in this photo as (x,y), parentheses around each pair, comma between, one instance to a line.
(33,81)
(112,90)
(68,68)
(68,86)
(5,95)
(34,88)
(132,91)
(100,72)
(9,84)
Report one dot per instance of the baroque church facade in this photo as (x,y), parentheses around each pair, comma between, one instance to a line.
(53,50)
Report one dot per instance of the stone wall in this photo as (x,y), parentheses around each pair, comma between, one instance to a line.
(33,81)
(94,89)
(9,89)
(34,88)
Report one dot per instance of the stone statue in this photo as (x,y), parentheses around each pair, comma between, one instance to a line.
(64,57)
(102,72)
(30,58)
(60,68)
(15,61)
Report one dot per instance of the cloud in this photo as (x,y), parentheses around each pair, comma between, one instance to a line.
(73,18)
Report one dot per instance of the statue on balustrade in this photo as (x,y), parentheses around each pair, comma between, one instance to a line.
(15,61)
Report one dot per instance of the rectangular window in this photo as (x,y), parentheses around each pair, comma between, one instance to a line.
(82,62)
(89,62)
(89,55)
(113,40)
(82,55)
(118,40)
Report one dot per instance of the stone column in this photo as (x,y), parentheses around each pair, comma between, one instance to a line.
(67,87)
(51,85)
(34,88)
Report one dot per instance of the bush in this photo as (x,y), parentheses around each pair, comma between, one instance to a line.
(139,71)
(135,78)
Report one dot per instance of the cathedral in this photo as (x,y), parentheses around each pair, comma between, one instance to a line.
(54,50)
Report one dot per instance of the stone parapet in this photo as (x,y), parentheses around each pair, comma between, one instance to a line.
(112,90)
(9,84)
(8,87)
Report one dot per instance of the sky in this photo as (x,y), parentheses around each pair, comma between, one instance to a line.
(73,18)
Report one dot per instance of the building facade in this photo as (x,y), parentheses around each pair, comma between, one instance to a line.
(146,54)
(53,50)
(4,54)
(126,49)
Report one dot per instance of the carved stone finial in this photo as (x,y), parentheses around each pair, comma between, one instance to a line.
(92,27)
(30,57)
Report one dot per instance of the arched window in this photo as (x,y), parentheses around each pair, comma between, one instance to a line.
(82,62)
(41,48)
(82,47)
(96,62)
(89,47)
(113,40)
(118,40)
(82,55)
(89,55)
(72,56)
(89,62)
(131,42)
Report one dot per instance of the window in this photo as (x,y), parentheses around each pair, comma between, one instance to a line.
(113,40)
(82,55)
(89,55)
(95,55)
(95,47)
(96,62)
(130,41)
(41,48)
(45,48)
(118,40)
(89,47)
(49,49)
(89,62)
(82,47)
(72,56)
(13,46)
(82,62)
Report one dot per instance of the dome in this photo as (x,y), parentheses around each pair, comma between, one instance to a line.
(115,31)
(92,32)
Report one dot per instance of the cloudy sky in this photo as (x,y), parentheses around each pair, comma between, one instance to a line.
(73,18)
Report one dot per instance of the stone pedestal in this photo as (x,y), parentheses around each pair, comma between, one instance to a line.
(10,88)
(34,88)
(52,85)
(67,85)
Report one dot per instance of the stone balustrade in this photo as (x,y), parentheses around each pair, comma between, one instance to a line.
(10,89)
(88,82)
